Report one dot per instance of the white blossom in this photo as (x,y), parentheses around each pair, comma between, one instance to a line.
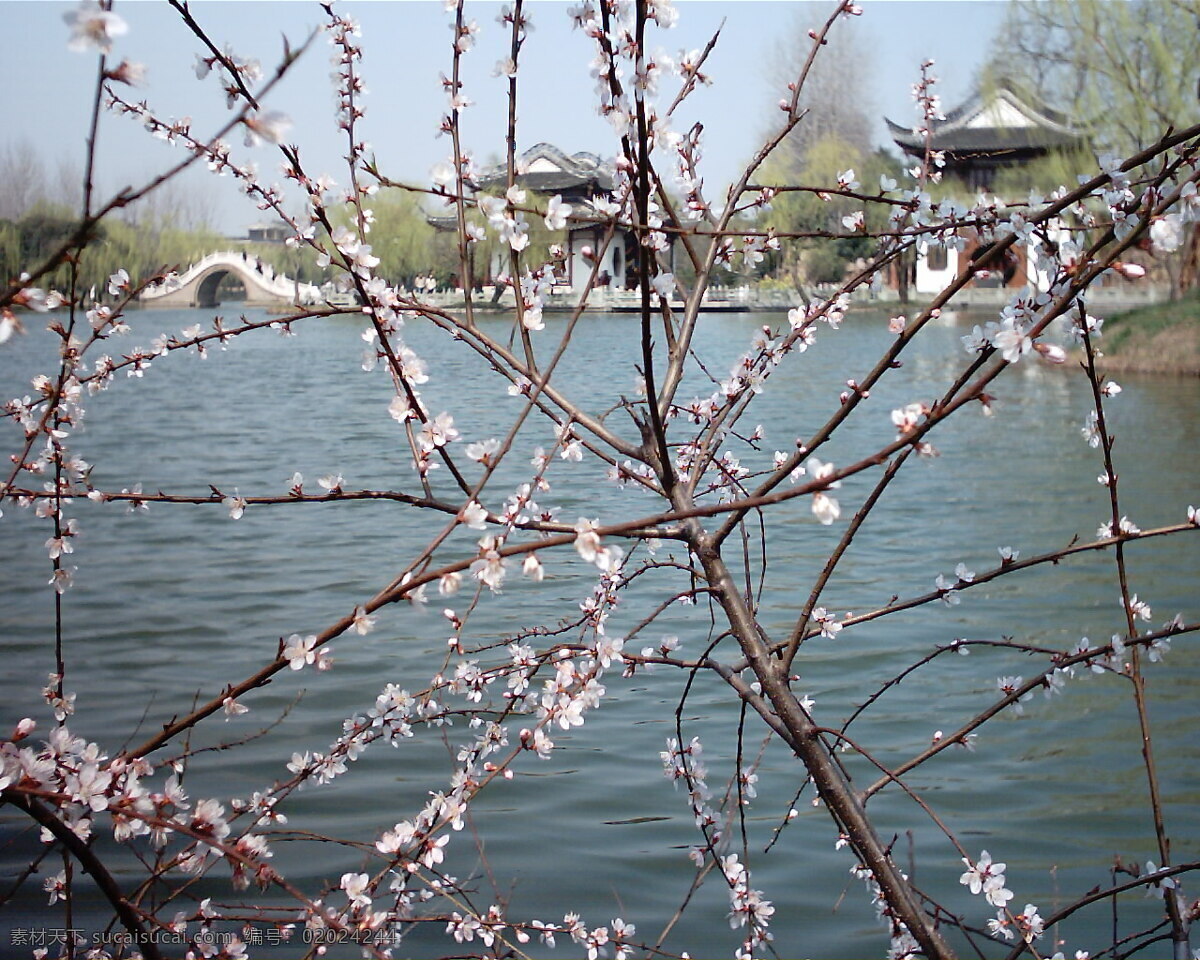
(93,27)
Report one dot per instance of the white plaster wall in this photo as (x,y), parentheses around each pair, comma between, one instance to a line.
(933,281)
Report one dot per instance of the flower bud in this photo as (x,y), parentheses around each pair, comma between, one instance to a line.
(1051,353)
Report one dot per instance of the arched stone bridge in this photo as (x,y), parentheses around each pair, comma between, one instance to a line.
(197,285)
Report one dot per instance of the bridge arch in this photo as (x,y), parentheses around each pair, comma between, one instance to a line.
(197,286)
(209,285)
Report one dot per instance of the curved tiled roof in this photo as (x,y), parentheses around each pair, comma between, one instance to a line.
(581,169)
(972,127)
(984,139)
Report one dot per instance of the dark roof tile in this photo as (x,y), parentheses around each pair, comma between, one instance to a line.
(1045,129)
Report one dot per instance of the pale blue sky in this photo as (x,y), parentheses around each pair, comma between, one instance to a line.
(407,45)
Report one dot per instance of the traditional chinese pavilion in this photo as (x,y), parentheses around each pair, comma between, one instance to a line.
(579,179)
(990,132)
(987,133)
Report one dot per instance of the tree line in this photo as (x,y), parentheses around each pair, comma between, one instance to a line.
(38,213)
(1118,71)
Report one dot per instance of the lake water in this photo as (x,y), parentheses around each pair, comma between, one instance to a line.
(175,602)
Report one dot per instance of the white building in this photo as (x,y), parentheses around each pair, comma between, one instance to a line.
(989,132)
(580,179)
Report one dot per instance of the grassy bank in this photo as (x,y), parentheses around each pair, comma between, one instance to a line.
(1163,338)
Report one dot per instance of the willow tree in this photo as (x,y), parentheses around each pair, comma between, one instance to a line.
(401,235)
(804,211)
(1124,72)
(1121,70)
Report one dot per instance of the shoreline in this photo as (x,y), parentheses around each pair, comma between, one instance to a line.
(1161,339)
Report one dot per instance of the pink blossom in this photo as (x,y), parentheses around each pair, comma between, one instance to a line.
(474,515)
(236,505)
(363,622)
(1010,338)
(272,127)
(587,541)
(1130,271)
(532,568)
(824,507)
(489,568)
(557,213)
(93,27)
(300,651)
(1050,352)
(129,73)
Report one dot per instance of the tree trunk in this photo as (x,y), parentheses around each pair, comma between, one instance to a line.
(1189,264)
